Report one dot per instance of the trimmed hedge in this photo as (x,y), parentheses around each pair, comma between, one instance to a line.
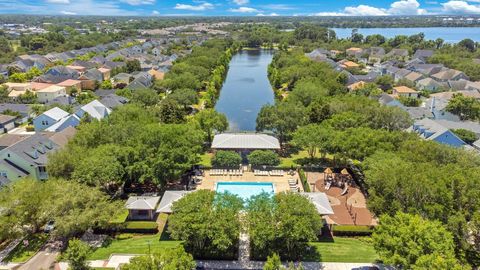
(352,230)
(303,178)
(140,226)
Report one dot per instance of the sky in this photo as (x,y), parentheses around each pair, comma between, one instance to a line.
(241,7)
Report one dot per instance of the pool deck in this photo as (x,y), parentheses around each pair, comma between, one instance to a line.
(280,183)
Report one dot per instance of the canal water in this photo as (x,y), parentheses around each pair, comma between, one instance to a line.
(246,89)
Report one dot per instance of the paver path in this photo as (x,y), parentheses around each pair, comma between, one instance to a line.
(4,253)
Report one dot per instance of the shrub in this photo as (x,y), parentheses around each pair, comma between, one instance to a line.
(351,230)
(30,128)
(226,159)
(263,157)
(303,179)
(141,226)
(466,135)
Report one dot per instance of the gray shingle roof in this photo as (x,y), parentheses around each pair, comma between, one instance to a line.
(168,198)
(142,202)
(34,149)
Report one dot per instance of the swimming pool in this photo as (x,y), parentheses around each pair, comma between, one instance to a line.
(245,189)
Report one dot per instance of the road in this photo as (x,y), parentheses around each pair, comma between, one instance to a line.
(44,259)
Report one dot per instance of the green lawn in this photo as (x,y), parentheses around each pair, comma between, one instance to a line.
(23,253)
(206,159)
(345,249)
(135,244)
(291,161)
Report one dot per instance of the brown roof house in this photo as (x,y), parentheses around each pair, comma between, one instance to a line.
(403,91)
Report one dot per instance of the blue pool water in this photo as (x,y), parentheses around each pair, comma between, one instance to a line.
(245,190)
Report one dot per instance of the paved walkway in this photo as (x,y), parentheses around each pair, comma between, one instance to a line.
(115,260)
(4,253)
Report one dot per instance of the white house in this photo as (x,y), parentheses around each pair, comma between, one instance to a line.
(50,93)
(94,109)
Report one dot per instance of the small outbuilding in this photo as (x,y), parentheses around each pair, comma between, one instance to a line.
(245,142)
(169,197)
(142,207)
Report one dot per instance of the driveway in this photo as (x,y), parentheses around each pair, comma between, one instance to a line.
(44,259)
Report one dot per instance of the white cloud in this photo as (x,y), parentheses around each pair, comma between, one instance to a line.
(68,12)
(244,10)
(58,1)
(241,2)
(273,14)
(155,12)
(138,2)
(201,7)
(460,7)
(406,7)
(401,7)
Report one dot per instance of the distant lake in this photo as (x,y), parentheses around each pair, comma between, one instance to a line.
(449,34)
(246,89)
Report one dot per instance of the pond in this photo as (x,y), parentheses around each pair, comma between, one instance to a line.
(246,89)
(448,34)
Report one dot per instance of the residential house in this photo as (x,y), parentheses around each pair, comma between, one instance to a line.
(27,157)
(23,109)
(354,52)
(388,100)
(157,51)
(85,64)
(400,74)
(449,75)
(113,101)
(48,118)
(91,78)
(423,55)
(356,86)
(47,94)
(105,73)
(426,69)
(111,65)
(157,75)
(142,207)
(348,64)
(400,54)
(98,60)
(80,69)
(141,80)
(7,123)
(61,138)
(57,74)
(414,77)
(121,80)
(71,85)
(429,84)
(403,91)
(21,87)
(68,121)
(429,129)
(94,109)
(376,54)
(369,77)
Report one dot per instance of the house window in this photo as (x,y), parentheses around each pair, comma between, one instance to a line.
(3,173)
(42,169)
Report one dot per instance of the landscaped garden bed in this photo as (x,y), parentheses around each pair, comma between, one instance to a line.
(27,248)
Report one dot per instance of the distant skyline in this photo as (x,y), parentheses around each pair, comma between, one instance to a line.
(240,7)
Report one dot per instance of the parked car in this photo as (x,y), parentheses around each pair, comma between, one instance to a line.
(49,226)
